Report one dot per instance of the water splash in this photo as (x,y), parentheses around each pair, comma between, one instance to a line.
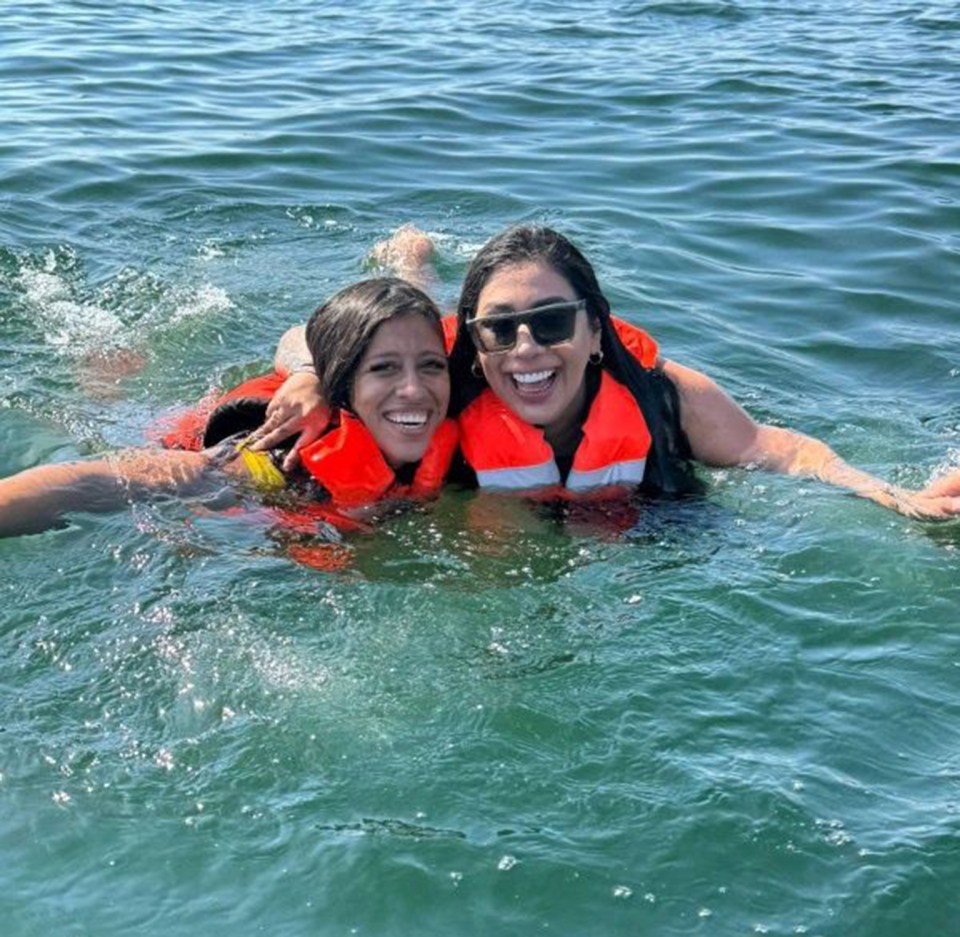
(121,314)
(69,324)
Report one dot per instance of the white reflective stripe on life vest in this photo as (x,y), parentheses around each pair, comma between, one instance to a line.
(620,473)
(514,478)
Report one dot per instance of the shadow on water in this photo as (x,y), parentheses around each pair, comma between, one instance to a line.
(945,535)
(469,540)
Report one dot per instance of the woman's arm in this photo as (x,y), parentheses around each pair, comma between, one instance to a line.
(297,408)
(37,498)
(292,355)
(722,433)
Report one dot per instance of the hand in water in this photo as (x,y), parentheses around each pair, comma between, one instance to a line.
(940,500)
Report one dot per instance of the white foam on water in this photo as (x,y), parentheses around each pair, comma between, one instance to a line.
(315,218)
(465,250)
(79,327)
(947,465)
(284,666)
(75,327)
(199,302)
(210,250)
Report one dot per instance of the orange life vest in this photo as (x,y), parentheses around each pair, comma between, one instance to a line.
(510,454)
(346,460)
(348,463)
(639,343)
(209,421)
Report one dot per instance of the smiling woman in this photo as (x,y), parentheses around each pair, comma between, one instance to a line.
(536,340)
(399,388)
(594,409)
(378,348)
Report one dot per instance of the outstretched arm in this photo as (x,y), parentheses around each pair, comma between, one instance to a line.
(722,433)
(37,498)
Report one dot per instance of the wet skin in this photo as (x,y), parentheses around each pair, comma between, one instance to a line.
(543,385)
(402,388)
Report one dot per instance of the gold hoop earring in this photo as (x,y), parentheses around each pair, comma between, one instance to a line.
(596,358)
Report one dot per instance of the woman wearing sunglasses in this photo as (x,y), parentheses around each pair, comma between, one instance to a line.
(379,349)
(547,391)
(552,392)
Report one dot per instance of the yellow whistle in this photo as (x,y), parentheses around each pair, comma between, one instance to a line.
(264,473)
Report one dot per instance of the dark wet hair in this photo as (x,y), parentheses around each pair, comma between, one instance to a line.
(341,329)
(668,465)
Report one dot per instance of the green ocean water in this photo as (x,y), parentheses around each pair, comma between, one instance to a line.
(738,716)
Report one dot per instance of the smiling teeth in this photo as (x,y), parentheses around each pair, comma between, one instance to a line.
(535,377)
(408,419)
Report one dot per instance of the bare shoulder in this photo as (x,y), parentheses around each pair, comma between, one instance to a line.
(292,352)
(688,381)
(720,431)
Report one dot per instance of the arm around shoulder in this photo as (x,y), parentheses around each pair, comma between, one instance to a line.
(297,408)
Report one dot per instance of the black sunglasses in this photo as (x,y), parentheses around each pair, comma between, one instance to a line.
(549,325)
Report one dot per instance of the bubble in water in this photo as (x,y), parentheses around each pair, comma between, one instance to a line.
(835,833)
(506,863)
(210,250)
(622,891)
(164,759)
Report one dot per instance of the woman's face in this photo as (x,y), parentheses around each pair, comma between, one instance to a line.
(542,384)
(401,389)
